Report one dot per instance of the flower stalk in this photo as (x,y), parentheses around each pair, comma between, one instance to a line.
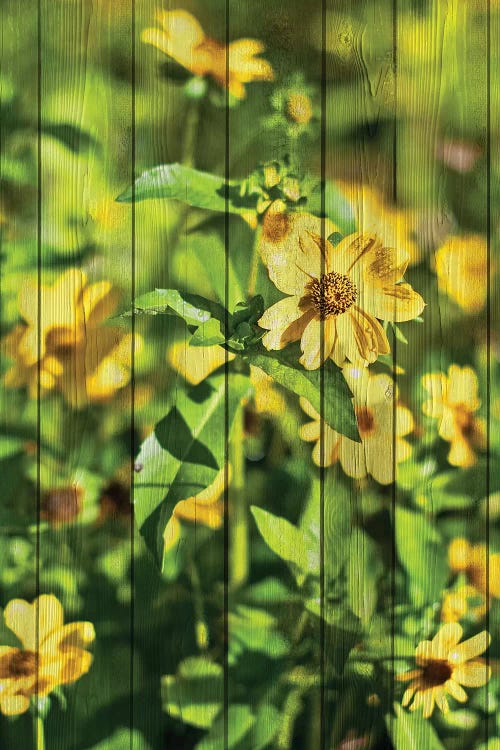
(38,731)
(238,529)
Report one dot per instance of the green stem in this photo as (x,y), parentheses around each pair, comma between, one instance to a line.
(190,133)
(38,732)
(238,529)
(254,266)
(201,629)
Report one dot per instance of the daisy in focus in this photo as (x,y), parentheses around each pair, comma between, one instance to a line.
(181,37)
(374,407)
(52,653)
(454,402)
(444,665)
(336,295)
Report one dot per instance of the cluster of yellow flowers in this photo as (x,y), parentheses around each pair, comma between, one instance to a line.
(52,653)
(62,343)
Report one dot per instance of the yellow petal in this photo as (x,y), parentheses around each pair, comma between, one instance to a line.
(440,699)
(13,705)
(397,303)
(285,321)
(33,622)
(472,673)
(195,363)
(172,533)
(309,409)
(456,691)
(459,554)
(352,458)
(446,639)
(424,652)
(470,648)
(99,302)
(73,635)
(310,343)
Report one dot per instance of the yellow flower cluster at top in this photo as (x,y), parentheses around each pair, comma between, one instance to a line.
(62,343)
(51,653)
(181,37)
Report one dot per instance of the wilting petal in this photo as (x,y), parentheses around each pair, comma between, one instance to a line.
(370,339)
(470,648)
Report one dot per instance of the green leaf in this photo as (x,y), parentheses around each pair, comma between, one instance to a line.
(284,367)
(208,334)
(252,629)
(184,453)
(195,694)
(240,720)
(285,539)
(411,731)
(123,739)
(198,189)
(422,553)
(267,724)
(364,573)
(192,308)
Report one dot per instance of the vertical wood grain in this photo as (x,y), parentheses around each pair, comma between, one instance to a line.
(83,217)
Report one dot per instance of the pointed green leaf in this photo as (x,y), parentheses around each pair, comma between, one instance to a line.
(175,181)
(285,539)
(411,731)
(184,453)
(336,405)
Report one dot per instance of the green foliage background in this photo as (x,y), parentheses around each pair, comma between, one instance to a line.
(151,685)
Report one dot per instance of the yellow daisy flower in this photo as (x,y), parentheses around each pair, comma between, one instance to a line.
(454,401)
(206,508)
(396,227)
(444,665)
(374,407)
(336,294)
(52,653)
(182,38)
(471,559)
(462,271)
(465,601)
(74,352)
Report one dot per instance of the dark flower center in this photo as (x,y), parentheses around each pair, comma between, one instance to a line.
(22,664)
(436,672)
(332,294)
(366,421)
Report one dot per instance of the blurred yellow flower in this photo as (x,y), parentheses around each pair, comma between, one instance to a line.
(374,407)
(195,363)
(69,349)
(465,601)
(444,665)
(482,570)
(206,508)
(462,271)
(182,38)
(335,294)
(52,653)
(454,401)
(396,227)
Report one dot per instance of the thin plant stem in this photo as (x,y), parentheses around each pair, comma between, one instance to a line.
(38,731)
(201,629)
(254,264)
(239,535)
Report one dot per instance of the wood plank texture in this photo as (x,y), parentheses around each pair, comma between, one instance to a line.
(249,427)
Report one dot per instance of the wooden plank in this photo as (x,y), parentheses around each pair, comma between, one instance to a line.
(83,229)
